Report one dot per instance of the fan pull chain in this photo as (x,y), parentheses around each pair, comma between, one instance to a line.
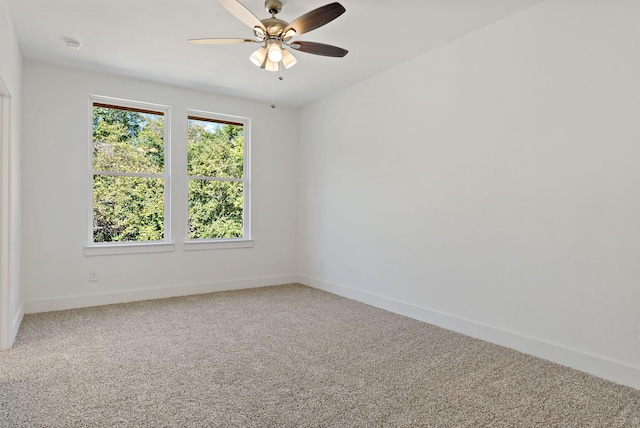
(273,87)
(273,91)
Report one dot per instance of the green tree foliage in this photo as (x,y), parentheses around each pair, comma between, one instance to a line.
(127,208)
(130,122)
(131,208)
(215,206)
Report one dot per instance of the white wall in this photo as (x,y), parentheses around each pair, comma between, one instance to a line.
(492,186)
(55,195)
(10,86)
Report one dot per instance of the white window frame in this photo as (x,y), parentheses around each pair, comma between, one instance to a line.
(106,248)
(246,240)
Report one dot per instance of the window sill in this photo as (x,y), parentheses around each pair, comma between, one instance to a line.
(112,249)
(198,245)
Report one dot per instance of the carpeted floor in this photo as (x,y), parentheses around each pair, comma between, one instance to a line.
(287,356)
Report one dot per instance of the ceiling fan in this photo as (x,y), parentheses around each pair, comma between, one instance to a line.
(275,34)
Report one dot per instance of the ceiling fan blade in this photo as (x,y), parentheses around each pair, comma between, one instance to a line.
(238,10)
(319,49)
(316,18)
(218,41)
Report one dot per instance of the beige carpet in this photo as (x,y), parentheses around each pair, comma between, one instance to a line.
(287,356)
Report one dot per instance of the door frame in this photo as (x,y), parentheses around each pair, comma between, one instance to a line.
(5,214)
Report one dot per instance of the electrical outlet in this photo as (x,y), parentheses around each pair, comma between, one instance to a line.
(93,276)
(321,264)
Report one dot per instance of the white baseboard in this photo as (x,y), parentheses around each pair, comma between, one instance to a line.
(73,302)
(598,366)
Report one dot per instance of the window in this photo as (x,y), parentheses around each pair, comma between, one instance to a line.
(130,185)
(218,177)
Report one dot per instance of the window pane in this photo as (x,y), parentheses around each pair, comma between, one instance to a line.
(215,149)
(127,141)
(215,209)
(127,209)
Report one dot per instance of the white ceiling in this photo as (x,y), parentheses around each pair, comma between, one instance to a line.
(147,39)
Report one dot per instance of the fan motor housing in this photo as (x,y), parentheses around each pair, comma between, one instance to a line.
(274,26)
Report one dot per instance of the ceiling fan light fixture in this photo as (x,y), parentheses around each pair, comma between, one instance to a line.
(259,56)
(274,52)
(288,35)
(288,60)
(271,66)
(259,33)
(274,34)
